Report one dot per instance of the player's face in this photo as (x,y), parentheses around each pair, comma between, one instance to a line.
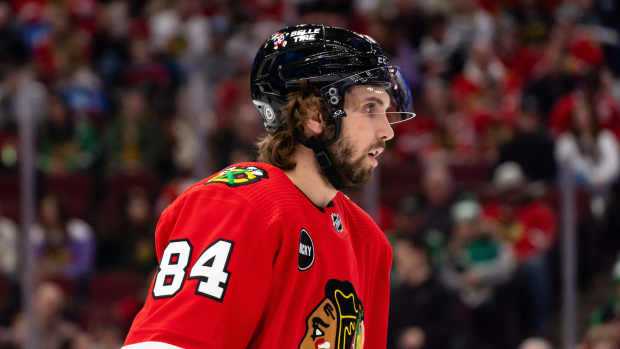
(365,130)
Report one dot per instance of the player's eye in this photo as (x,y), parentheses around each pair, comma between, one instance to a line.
(318,332)
(369,108)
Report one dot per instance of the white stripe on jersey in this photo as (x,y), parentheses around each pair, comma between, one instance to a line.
(151,345)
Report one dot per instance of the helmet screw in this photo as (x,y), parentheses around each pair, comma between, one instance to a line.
(269,115)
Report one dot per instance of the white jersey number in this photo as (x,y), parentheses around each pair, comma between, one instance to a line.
(209,269)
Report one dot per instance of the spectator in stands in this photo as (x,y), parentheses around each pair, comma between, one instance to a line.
(65,246)
(533,20)
(531,146)
(477,265)
(608,312)
(591,153)
(477,93)
(436,48)
(423,314)
(595,86)
(9,248)
(522,218)
(185,144)
(53,330)
(129,244)
(13,54)
(606,336)
(133,142)
(66,144)
(12,49)
(391,34)
(423,139)
(144,69)
(179,28)
(439,194)
(469,23)
(110,42)
(551,77)
(483,69)
(9,278)
(407,218)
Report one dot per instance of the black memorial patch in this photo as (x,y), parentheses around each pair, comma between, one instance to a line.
(306,251)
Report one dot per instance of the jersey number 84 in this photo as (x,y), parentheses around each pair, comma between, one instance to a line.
(209,269)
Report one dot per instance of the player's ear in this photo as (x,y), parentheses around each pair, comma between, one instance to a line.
(314,124)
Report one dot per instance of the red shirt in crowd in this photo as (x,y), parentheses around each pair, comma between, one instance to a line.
(532,229)
(561,114)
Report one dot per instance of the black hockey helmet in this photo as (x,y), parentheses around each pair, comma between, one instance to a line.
(332,60)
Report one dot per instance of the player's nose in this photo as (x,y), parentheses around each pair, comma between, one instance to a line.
(385,131)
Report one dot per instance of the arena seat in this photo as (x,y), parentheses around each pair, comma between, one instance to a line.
(110,293)
(76,189)
(9,196)
(110,287)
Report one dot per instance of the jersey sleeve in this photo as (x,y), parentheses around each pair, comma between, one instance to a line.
(216,251)
(380,299)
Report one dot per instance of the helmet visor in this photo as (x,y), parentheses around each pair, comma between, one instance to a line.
(377,92)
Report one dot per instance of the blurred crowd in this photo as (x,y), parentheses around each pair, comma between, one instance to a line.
(132,101)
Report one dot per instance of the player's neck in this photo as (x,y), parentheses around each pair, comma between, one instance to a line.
(307,177)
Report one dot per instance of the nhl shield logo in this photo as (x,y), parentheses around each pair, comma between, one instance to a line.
(337,222)
(306,251)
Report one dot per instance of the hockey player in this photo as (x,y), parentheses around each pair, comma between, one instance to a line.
(271,254)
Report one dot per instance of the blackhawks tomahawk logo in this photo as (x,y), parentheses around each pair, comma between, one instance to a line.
(337,322)
(239,175)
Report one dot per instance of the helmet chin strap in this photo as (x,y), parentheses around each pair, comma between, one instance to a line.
(324,160)
(322,156)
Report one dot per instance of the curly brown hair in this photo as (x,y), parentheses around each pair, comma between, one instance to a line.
(278,148)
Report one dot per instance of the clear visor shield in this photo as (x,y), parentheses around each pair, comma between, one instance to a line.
(377,92)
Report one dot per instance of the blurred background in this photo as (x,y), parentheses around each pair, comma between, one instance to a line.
(501,198)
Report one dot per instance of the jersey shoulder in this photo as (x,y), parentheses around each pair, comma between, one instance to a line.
(221,201)
(249,184)
(258,182)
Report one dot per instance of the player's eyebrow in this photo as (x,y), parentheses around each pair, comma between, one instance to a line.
(318,321)
(373,99)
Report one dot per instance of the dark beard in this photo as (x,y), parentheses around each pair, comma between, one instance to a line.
(352,172)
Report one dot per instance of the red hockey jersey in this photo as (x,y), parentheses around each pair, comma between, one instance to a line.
(247,261)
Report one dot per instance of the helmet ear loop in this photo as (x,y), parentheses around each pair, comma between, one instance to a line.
(334,102)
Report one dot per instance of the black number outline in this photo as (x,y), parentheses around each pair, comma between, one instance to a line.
(189,259)
(225,269)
